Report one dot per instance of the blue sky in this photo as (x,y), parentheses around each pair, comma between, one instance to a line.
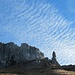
(66,8)
(46,24)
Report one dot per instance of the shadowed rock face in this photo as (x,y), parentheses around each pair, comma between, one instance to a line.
(54,60)
(11,52)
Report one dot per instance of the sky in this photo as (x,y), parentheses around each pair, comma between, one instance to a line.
(45,24)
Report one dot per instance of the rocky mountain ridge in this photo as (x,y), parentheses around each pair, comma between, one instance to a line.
(10,53)
(28,60)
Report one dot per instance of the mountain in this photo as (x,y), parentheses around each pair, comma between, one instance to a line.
(28,60)
(10,53)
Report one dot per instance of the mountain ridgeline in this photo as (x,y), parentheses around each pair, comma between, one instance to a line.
(11,54)
(28,60)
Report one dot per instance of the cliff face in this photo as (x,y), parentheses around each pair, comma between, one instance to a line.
(10,52)
(30,53)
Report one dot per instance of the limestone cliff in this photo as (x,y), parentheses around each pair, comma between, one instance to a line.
(10,52)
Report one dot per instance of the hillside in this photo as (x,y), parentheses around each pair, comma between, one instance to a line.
(28,60)
(30,68)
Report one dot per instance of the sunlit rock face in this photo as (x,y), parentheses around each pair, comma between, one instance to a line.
(29,53)
(11,52)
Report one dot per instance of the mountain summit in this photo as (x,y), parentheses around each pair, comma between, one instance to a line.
(10,53)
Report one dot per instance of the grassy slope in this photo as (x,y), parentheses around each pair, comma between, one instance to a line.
(41,71)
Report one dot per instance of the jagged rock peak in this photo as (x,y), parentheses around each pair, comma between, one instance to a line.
(11,51)
(54,60)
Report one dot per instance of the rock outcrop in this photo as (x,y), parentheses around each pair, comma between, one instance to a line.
(54,61)
(10,53)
